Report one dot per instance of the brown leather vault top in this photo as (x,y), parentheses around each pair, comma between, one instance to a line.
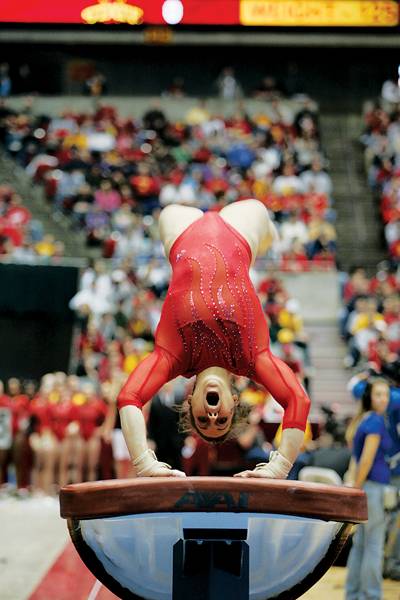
(212,494)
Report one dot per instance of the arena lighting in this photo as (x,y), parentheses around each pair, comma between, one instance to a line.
(172,11)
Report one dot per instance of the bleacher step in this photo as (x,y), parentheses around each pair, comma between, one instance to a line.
(34,199)
(329,381)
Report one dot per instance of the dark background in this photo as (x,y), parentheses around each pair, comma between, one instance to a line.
(337,77)
(36,324)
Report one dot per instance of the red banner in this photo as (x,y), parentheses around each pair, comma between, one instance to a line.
(275,13)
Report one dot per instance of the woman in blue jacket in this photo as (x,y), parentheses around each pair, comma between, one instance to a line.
(370,441)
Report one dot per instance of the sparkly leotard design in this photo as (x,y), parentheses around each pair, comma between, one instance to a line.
(212,317)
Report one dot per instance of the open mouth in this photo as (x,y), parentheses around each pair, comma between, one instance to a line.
(212,398)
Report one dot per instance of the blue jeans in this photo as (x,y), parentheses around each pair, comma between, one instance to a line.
(364,576)
(394,559)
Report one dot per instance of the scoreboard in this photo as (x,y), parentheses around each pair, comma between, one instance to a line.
(253,13)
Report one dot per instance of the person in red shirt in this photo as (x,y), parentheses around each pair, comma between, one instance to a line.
(212,325)
(16,214)
(91,415)
(43,443)
(63,415)
(146,188)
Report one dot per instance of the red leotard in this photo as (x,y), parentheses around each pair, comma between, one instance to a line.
(212,317)
(91,415)
(21,413)
(61,415)
(40,413)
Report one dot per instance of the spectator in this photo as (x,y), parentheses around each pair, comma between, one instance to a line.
(107,198)
(176,89)
(96,84)
(88,300)
(155,118)
(198,114)
(267,89)
(390,94)
(294,229)
(322,236)
(383,361)
(370,441)
(46,247)
(163,422)
(25,81)
(228,86)
(316,179)
(357,387)
(288,183)
(5,80)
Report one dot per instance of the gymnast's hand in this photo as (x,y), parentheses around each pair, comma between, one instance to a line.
(147,465)
(160,469)
(278,467)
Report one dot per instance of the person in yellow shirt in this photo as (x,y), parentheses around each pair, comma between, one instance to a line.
(197,115)
(289,318)
(367,327)
(369,318)
(46,247)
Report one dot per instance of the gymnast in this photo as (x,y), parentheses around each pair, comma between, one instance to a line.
(212,325)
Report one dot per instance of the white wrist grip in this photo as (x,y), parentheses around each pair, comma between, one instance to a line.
(145,463)
(278,466)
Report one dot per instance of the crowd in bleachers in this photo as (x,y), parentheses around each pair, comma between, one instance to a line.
(23,238)
(370,325)
(111,176)
(371,320)
(381,139)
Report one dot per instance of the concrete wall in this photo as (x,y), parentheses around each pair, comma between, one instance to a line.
(136,106)
(318,294)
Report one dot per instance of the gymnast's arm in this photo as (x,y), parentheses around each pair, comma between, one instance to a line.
(283,385)
(143,383)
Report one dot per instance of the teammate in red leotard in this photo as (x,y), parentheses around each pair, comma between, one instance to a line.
(91,415)
(212,325)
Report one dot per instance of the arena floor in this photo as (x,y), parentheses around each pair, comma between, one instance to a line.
(38,562)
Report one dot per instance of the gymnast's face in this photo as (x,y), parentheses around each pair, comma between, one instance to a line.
(212,405)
